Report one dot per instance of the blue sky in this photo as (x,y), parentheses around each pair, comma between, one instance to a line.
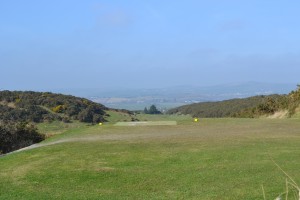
(147,44)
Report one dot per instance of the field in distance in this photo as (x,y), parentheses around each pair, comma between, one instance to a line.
(209,159)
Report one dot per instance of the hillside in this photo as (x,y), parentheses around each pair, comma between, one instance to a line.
(247,107)
(19,111)
(45,106)
(225,108)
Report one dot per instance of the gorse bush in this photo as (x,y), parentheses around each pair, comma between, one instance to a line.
(227,108)
(45,106)
(294,101)
(34,107)
(58,109)
(14,136)
(246,108)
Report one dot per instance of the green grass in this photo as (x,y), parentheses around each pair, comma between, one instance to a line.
(211,159)
(115,116)
(297,113)
(147,123)
(57,127)
(162,117)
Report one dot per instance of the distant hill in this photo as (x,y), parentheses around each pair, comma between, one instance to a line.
(169,97)
(226,108)
(45,106)
(246,107)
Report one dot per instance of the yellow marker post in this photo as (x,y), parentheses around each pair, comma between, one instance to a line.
(100,124)
(195,119)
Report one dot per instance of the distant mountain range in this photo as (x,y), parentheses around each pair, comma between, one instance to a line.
(168,97)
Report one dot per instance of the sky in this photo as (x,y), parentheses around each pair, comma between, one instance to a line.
(147,44)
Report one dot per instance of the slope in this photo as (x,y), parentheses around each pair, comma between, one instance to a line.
(46,106)
(257,106)
(227,108)
(19,111)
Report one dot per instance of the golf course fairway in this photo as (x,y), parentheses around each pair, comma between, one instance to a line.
(207,159)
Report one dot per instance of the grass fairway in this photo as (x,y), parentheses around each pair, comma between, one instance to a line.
(211,159)
(147,123)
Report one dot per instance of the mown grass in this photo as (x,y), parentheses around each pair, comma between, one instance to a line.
(212,159)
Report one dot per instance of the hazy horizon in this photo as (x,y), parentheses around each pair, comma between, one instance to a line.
(139,44)
(288,86)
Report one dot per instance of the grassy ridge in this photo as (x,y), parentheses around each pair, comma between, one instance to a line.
(46,106)
(227,108)
(212,159)
(18,107)
(252,107)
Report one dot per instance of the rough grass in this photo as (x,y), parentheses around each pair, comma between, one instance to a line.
(279,114)
(211,159)
(297,113)
(115,117)
(57,127)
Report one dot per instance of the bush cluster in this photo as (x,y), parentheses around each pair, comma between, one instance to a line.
(46,106)
(14,136)
(152,110)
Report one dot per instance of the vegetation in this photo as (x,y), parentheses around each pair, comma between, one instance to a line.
(210,159)
(19,109)
(46,106)
(251,107)
(225,108)
(152,110)
(14,136)
(58,127)
(119,116)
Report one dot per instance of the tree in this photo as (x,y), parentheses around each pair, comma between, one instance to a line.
(146,110)
(152,110)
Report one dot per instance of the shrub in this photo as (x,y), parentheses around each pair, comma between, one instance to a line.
(14,136)
(58,109)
